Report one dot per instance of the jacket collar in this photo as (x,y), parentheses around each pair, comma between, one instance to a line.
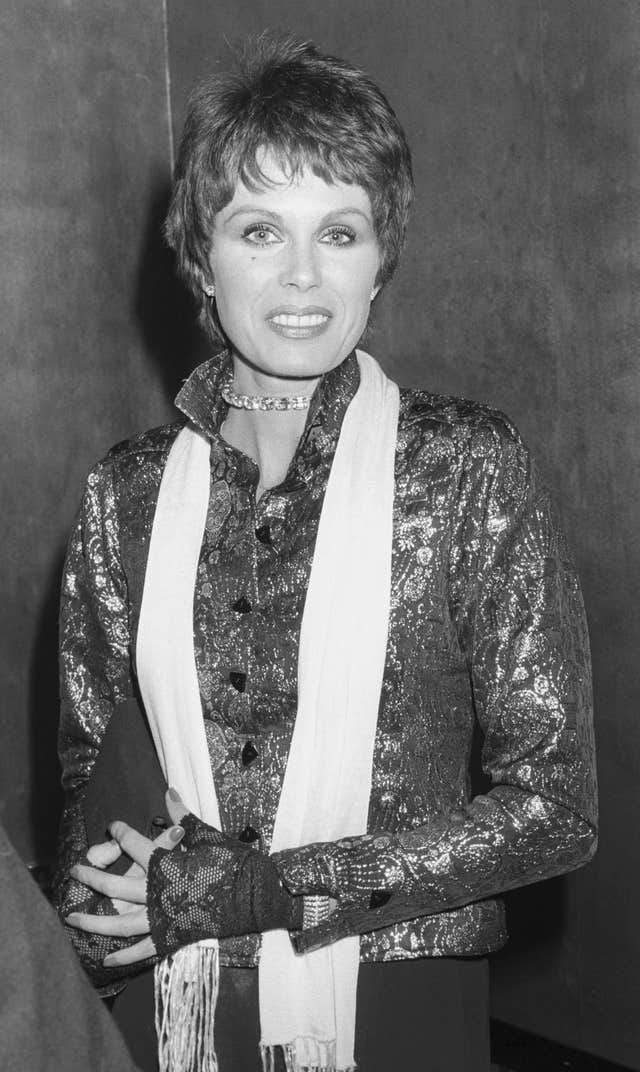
(200,399)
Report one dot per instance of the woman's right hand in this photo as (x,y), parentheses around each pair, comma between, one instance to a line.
(104,855)
(82,900)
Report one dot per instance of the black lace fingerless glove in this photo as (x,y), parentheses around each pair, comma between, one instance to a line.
(214,886)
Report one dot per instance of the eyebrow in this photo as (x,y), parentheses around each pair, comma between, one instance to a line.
(250,210)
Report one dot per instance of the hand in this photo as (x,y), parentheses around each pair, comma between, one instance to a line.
(125,895)
(217,887)
(214,887)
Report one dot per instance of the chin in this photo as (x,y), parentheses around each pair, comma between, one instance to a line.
(299,365)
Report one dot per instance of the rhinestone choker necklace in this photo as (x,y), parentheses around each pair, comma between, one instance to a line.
(263,402)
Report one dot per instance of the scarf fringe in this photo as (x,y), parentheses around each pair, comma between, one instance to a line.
(186,991)
(304,1055)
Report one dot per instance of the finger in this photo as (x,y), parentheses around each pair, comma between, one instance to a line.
(135,871)
(136,845)
(104,854)
(169,838)
(132,954)
(124,907)
(175,805)
(116,926)
(116,886)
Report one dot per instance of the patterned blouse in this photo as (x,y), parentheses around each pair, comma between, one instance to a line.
(487,665)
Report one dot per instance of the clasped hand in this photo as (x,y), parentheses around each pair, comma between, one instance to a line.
(128,892)
(193,882)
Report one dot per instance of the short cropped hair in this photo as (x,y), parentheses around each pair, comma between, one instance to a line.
(309,110)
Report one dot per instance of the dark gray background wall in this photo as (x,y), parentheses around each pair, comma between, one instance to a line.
(84,160)
(519,287)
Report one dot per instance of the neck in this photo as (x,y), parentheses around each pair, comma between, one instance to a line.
(270,438)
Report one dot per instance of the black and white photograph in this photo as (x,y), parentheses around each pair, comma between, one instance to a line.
(321,528)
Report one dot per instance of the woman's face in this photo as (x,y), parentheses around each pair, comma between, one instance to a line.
(294,267)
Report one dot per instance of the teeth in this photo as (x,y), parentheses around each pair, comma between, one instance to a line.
(313,320)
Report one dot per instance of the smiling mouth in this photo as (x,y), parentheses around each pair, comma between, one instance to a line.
(299,325)
(309,320)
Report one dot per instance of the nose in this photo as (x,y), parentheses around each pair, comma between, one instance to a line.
(300,267)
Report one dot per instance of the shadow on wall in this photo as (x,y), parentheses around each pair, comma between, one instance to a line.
(536,915)
(163,315)
(539,926)
(43,707)
(164,309)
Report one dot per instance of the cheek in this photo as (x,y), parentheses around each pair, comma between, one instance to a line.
(231,309)
(235,291)
(358,298)
(359,284)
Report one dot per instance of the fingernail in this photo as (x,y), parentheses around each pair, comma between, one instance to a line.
(176,834)
(175,796)
(109,960)
(71,917)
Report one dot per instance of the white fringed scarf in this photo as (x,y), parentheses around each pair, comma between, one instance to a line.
(307,1002)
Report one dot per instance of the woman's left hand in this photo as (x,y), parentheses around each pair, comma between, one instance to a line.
(128,892)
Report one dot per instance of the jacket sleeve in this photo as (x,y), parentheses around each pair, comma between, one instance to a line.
(94,676)
(520,620)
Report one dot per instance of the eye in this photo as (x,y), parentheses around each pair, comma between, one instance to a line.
(260,234)
(338,236)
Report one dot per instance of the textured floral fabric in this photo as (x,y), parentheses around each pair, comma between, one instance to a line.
(486,631)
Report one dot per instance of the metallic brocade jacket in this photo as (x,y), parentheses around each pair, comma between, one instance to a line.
(487,629)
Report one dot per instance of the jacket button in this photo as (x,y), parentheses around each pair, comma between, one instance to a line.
(379,898)
(238,679)
(248,834)
(249,753)
(263,533)
(242,605)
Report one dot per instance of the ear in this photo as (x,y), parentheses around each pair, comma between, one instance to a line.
(205,282)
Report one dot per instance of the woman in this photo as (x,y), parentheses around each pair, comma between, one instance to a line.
(318,584)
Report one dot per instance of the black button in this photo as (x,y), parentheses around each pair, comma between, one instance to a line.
(379,898)
(159,822)
(263,533)
(238,679)
(248,834)
(249,753)
(242,605)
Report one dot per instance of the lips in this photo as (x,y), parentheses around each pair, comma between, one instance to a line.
(299,323)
